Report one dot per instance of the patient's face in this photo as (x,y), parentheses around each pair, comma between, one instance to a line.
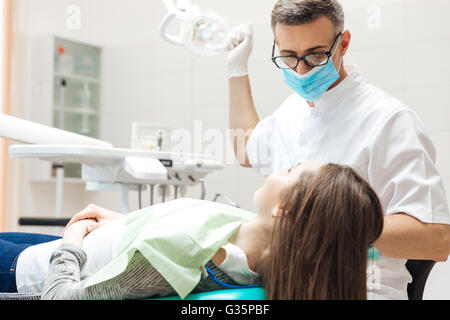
(268,197)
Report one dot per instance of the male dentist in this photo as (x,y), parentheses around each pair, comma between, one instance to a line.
(335,116)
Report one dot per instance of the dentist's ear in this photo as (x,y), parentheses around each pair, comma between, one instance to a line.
(345,42)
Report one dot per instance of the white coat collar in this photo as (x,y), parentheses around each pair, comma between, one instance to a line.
(334,97)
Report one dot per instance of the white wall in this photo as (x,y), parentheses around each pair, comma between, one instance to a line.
(2,108)
(399,45)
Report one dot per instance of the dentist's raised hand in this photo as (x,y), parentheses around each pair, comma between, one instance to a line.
(99,214)
(243,116)
(239,43)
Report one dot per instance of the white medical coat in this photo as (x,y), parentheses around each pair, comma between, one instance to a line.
(359,125)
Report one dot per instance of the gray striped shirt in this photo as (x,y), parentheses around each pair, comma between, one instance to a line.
(140,279)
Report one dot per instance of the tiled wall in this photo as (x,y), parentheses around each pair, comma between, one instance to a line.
(399,45)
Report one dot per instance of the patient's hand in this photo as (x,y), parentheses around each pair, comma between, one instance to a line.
(99,214)
(75,233)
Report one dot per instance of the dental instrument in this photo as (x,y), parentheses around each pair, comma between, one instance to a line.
(152,188)
(203,189)
(230,202)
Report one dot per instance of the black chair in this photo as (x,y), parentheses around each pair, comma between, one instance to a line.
(44,222)
(419,270)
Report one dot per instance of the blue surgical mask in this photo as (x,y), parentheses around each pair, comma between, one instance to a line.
(312,85)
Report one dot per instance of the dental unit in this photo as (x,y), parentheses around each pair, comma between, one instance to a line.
(105,167)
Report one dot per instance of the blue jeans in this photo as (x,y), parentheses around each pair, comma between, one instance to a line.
(11,245)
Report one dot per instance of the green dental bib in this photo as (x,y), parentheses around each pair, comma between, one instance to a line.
(178,238)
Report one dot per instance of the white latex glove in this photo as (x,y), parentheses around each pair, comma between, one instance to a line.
(239,43)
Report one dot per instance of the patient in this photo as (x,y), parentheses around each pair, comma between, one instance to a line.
(308,240)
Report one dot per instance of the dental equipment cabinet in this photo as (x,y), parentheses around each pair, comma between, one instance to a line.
(64,89)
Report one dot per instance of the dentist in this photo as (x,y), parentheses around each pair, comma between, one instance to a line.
(335,116)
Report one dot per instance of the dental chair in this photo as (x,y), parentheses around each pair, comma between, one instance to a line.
(229,294)
(419,270)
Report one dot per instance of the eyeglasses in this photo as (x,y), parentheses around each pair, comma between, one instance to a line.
(312,60)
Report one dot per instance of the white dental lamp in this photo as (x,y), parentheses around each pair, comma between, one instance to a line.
(202,31)
(177,11)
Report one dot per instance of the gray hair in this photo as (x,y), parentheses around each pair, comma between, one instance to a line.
(298,12)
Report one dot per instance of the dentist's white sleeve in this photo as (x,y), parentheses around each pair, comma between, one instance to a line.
(259,147)
(403,172)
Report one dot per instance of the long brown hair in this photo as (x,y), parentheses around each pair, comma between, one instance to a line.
(319,246)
